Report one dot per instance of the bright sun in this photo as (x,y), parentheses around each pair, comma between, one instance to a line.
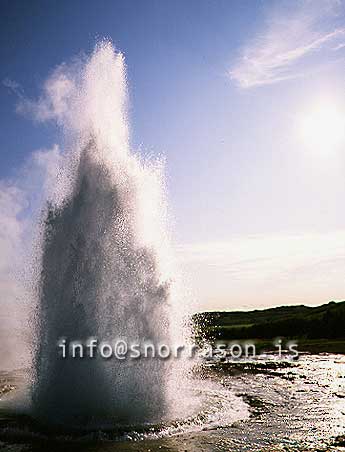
(323,128)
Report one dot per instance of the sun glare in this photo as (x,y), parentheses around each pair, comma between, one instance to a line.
(323,128)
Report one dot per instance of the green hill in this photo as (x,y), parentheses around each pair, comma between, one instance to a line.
(305,323)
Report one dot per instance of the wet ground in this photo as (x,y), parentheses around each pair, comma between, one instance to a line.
(263,405)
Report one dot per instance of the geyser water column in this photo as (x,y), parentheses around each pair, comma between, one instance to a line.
(103,258)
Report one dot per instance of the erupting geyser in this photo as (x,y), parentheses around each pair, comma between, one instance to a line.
(104,265)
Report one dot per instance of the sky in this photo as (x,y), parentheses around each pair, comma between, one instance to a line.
(244,99)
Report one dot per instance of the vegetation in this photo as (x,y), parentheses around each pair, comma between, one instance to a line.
(315,327)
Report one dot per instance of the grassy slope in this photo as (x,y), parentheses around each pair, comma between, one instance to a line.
(319,329)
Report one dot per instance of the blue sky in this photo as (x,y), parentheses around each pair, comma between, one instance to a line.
(221,89)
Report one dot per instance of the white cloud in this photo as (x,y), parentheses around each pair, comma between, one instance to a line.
(12,85)
(339,46)
(261,271)
(294,33)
